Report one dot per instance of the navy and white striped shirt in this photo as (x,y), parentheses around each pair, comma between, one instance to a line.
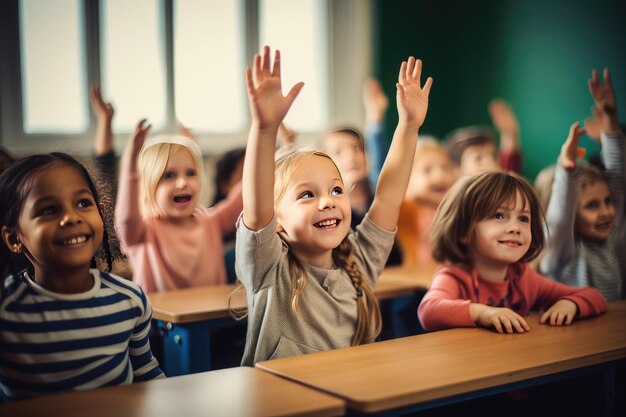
(51,342)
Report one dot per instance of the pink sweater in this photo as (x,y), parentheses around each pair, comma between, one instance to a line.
(165,256)
(454,288)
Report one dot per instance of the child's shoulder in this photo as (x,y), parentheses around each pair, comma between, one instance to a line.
(117,283)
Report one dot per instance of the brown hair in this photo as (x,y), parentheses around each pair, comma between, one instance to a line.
(461,139)
(473,199)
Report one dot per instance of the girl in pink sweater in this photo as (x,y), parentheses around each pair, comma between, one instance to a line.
(171,241)
(486,230)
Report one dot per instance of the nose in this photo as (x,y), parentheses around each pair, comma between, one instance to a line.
(70,218)
(327,202)
(181,182)
(513,226)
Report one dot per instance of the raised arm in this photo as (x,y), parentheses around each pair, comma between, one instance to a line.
(104,112)
(376,146)
(127,208)
(268,108)
(412,102)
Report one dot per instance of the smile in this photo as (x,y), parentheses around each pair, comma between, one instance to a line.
(510,243)
(74,240)
(185,198)
(327,224)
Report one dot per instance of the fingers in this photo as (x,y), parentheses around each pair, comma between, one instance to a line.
(293,93)
(276,66)
(607,76)
(427,85)
(417,71)
(402,73)
(256,70)
(249,81)
(266,61)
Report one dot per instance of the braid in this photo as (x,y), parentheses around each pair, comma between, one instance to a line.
(298,278)
(368,310)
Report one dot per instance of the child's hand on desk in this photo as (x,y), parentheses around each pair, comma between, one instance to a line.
(561,313)
(503,319)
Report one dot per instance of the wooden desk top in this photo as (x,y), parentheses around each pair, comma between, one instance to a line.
(211,302)
(417,369)
(235,392)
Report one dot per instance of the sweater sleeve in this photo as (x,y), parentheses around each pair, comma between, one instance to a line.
(227,211)
(589,301)
(613,157)
(145,365)
(376,146)
(511,161)
(128,220)
(560,217)
(445,305)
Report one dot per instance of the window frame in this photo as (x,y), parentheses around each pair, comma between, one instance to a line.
(349,44)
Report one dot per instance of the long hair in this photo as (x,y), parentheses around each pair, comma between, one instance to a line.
(473,199)
(15,184)
(152,162)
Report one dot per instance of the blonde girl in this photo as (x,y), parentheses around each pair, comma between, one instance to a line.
(309,279)
(171,241)
(486,230)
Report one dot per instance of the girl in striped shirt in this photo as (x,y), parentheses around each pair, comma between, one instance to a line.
(64,325)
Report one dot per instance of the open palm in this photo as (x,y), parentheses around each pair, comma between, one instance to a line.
(411,97)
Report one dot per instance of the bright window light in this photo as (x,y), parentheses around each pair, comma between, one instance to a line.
(133,62)
(209,65)
(298,29)
(54,89)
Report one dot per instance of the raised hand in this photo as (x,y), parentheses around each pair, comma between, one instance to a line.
(374,100)
(411,97)
(503,117)
(570,150)
(561,313)
(267,103)
(604,97)
(592,124)
(503,320)
(102,109)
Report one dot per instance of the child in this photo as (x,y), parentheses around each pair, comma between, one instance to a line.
(487,228)
(473,148)
(171,241)
(308,277)
(585,214)
(432,175)
(63,325)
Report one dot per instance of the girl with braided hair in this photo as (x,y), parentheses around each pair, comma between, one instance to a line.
(309,279)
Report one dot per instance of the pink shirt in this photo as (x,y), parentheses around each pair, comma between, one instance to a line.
(447,302)
(166,256)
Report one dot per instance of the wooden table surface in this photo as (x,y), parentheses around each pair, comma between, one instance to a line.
(418,369)
(236,392)
(211,302)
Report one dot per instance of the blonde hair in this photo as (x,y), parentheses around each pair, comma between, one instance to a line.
(543,185)
(152,162)
(368,310)
(473,199)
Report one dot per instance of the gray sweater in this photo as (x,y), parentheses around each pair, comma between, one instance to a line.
(576,261)
(327,305)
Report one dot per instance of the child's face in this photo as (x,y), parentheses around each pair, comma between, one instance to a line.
(178,190)
(431,176)
(595,216)
(60,226)
(479,158)
(504,237)
(314,211)
(347,152)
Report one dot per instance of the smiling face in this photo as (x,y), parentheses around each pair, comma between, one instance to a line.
(433,173)
(178,190)
(314,211)
(60,226)
(505,236)
(347,152)
(595,215)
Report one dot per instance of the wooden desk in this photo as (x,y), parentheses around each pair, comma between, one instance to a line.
(186,317)
(232,392)
(432,369)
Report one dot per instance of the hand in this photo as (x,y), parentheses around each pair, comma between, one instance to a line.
(561,313)
(592,124)
(102,109)
(570,150)
(374,100)
(186,132)
(503,319)
(503,117)
(265,97)
(138,138)
(411,98)
(604,98)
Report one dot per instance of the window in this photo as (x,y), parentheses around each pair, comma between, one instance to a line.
(173,61)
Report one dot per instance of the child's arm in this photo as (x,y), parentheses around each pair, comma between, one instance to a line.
(127,209)
(104,115)
(506,123)
(376,146)
(268,108)
(412,102)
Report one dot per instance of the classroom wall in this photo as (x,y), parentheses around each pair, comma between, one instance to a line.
(536,54)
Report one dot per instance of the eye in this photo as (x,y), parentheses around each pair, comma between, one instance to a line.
(191,173)
(47,211)
(84,203)
(337,191)
(608,201)
(592,205)
(168,175)
(498,216)
(524,219)
(305,195)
